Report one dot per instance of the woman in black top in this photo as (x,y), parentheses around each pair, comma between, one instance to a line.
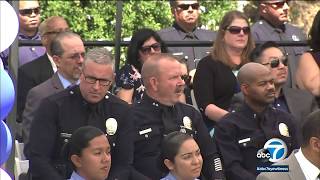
(215,79)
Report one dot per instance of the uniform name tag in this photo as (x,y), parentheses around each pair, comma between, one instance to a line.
(145,131)
(65,135)
(244,140)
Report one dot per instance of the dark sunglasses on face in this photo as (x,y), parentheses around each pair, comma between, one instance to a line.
(147,49)
(277,5)
(28,12)
(237,30)
(275,62)
(194,6)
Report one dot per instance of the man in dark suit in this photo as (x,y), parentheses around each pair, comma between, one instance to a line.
(69,62)
(39,70)
(297,102)
(304,163)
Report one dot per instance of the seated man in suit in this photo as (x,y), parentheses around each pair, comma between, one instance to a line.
(39,70)
(242,133)
(304,164)
(297,102)
(67,51)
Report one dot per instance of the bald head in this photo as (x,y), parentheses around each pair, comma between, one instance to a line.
(152,67)
(249,72)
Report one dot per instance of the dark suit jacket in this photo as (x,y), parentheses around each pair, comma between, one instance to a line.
(295,171)
(34,98)
(30,75)
(300,102)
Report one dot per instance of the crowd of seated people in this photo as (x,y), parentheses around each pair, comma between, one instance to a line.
(246,95)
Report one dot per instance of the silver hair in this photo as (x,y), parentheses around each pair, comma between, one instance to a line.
(100,56)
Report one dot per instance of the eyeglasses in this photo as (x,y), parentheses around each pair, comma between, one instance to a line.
(28,12)
(184,7)
(277,5)
(186,78)
(237,30)
(275,62)
(93,80)
(147,49)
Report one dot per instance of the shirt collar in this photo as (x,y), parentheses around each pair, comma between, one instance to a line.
(66,83)
(76,176)
(271,28)
(183,34)
(35,37)
(309,170)
(53,64)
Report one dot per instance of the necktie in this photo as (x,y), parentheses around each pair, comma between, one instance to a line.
(94,118)
(168,119)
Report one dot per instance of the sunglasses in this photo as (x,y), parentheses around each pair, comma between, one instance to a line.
(277,5)
(275,62)
(147,49)
(237,30)
(184,7)
(28,12)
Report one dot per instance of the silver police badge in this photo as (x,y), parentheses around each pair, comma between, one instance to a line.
(111,126)
(283,129)
(187,122)
(295,37)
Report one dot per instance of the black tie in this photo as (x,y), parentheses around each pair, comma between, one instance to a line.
(94,118)
(168,119)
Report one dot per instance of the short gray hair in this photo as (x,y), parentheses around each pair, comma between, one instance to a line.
(100,56)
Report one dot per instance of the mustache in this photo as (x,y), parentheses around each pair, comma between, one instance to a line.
(180,88)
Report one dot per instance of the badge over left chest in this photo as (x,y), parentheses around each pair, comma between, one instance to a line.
(284,130)
(111,126)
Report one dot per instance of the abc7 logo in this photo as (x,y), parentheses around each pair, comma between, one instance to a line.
(274,150)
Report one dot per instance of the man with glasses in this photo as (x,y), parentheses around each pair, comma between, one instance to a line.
(67,52)
(273,26)
(185,28)
(88,103)
(242,133)
(304,164)
(42,68)
(29,20)
(297,102)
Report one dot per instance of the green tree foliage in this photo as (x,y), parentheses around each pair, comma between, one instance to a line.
(96,19)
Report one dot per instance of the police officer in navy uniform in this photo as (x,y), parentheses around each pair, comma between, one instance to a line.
(90,103)
(184,28)
(160,113)
(273,26)
(243,132)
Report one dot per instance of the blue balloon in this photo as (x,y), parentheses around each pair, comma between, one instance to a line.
(4,175)
(5,142)
(7,94)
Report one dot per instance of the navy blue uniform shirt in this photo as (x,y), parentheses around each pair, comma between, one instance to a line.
(239,157)
(59,116)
